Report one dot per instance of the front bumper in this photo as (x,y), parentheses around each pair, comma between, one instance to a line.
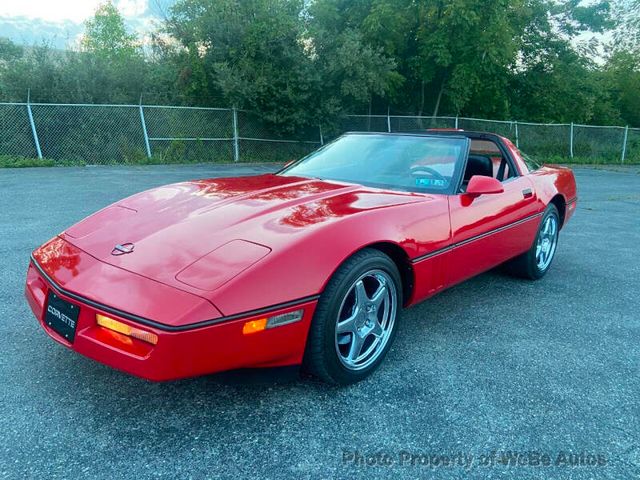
(185,352)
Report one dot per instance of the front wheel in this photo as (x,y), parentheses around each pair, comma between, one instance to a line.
(535,262)
(355,320)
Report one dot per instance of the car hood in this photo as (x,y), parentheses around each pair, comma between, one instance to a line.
(232,222)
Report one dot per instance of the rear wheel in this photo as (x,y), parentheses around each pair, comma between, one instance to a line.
(534,263)
(355,320)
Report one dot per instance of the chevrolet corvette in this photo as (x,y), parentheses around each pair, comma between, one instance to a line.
(307,267)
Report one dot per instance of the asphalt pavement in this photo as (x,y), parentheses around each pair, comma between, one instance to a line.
(495,378)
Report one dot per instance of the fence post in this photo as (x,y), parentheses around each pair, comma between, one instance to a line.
(624,144)
(571,141)
(388,119)
(456,122)
(515,124)
(236,141)
(144,130)
(34,132)
(321,137)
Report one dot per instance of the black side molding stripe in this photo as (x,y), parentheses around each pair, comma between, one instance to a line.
(573,200)
(432,254)
(477,237)
(162,326)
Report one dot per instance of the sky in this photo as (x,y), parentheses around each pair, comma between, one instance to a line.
(60,22)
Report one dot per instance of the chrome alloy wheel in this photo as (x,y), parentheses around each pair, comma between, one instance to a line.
(547,242)
(365,320)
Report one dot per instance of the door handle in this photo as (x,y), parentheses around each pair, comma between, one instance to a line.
(527,193)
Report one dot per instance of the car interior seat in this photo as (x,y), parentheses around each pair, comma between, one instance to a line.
(477,165)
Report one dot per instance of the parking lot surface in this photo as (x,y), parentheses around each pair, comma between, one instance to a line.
(482,380)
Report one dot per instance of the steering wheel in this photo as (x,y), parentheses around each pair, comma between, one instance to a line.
(421,170)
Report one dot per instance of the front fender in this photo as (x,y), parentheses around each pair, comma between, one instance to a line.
(302,264)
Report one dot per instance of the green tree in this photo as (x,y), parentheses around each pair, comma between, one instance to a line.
(248,53)
(462,56)
(261,55)
(551,80)
(627,31)
(10,54)
(445,51)
(106,35)
(622,74)
(110,64)
(9,51)
(109,67)
(353,71)
(300,62)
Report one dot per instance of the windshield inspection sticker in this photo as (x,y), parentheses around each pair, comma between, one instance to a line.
(430,182)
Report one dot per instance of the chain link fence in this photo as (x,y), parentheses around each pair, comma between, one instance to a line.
(121,134)
(569,142)
(133,134)
(257,140)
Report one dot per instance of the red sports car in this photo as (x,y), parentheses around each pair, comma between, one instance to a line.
(309,266)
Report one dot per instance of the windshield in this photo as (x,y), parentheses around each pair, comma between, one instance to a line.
(405,162)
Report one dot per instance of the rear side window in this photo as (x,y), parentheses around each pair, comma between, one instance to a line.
(531,163)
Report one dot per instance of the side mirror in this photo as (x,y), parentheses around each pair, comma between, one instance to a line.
(480,185)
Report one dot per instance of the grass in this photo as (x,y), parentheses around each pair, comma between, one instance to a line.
(557,160)
(10,161)
(7,161)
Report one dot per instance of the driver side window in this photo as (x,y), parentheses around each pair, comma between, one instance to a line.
(486,159)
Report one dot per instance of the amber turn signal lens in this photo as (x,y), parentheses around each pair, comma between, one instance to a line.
(123,328)
(254,326)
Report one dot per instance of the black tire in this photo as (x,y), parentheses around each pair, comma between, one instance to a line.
(322,355)
(527,265)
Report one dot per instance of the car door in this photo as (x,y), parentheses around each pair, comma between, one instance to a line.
(490,229)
